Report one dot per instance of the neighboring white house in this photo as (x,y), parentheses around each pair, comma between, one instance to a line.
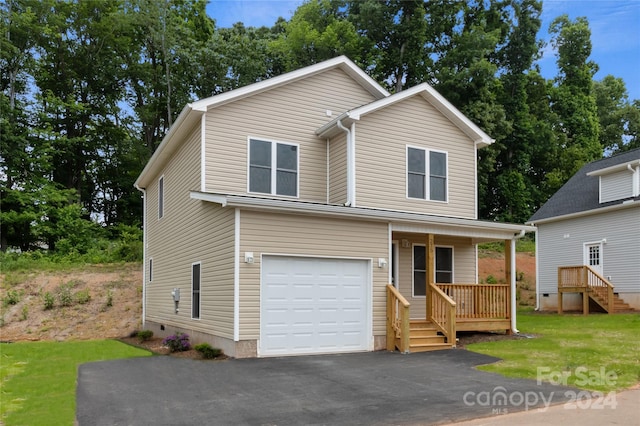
(277,214)
(593,220)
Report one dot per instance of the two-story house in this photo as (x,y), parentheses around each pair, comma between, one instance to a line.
(588,239)
(314,212)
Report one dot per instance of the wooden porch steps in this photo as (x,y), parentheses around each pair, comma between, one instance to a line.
(423,337)
(619,305)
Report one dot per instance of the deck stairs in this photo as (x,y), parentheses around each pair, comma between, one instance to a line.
(598,295)
(424,336)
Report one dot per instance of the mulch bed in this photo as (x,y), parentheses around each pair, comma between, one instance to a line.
(155,345)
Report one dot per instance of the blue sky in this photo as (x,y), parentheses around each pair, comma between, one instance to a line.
(615,30)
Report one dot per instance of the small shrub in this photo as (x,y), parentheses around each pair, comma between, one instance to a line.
(144,335)
(82,297)
(25,313)
(12,298)
(179,342)
(49,301)
(109,301)
(491,280)
(207,351)
(65,297)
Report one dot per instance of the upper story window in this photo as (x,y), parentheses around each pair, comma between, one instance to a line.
(160,197)
(426,174)
(273,168)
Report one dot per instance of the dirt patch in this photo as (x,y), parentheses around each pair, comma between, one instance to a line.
(96,303)
(491,269)
(466,338)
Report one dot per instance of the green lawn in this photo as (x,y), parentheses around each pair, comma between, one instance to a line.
(596,352)
(38,379)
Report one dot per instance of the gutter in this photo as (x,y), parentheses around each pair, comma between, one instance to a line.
(144,253)
(350,165)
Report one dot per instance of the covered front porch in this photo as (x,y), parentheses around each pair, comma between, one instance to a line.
(434,290)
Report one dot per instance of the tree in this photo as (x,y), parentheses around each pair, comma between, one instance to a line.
(573,99)
(619,119)
(317,31)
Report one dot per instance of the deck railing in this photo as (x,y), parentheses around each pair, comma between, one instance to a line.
(443,313)
(584,277)
(398,323)
(473,301)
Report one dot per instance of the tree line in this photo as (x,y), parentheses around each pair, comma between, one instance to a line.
(90,88)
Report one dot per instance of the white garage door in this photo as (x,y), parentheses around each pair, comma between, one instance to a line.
(313,305)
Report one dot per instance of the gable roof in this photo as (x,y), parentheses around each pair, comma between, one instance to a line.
(192,112)
(430,95)
(581,193)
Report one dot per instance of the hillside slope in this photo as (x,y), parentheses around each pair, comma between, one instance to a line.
(106,301)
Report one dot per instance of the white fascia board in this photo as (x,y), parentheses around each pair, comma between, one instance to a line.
(401,221)
(168,145)
(612,169)
(624,205)
(341,62)
(479,137)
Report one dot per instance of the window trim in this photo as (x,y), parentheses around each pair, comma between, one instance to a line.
(161,197)
(199,291)
(273,167)
(427,173)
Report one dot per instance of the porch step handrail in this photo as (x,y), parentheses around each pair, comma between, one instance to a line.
(585,277)
(443,313)
(398,323)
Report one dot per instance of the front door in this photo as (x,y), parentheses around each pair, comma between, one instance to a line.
(593,256)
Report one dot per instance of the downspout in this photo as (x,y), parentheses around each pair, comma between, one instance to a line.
(144,254)
(350,164)
(513,280)
(537,274)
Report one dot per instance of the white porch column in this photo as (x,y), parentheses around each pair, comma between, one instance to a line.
(513,285)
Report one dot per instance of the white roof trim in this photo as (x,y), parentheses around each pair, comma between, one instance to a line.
(430,94)
(624,205)
(449,225)
(341,62)
(612,169)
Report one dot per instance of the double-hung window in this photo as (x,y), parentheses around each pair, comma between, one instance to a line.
(426,174)
(273,168)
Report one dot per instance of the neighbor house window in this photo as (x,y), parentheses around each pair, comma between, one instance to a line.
(419,271)
(444,265)
(426,174)
(195,290)
(273,168)
(161,197)
(150,270)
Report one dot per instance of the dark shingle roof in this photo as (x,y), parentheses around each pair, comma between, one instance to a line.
(581,192)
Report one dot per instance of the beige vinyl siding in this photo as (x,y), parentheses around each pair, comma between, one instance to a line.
(338,170)
(381,149)
(616,186)
(561,243)
(464,265)
(190,231)
(267,233)
(290,114)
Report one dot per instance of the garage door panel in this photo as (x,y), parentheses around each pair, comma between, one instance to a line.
(313,305)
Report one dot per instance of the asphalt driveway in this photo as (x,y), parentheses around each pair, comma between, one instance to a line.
(364,388)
